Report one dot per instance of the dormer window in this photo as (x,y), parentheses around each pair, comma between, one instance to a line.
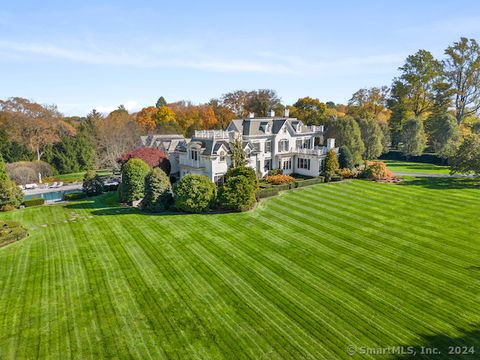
(194,154)
(222,156)
(265,127)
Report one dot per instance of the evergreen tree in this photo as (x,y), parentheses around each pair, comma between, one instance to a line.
(371,137)
(160,102)
(331,165)
(238,155)
(158,191)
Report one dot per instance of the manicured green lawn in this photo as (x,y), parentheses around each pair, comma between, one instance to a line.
(305,275)
(415,167)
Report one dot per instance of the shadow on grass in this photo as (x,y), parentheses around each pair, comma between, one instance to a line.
(442,183)
(107,204)
(420,167)
(443,346)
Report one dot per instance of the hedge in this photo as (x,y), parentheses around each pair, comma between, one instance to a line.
(34,202)
(307,182)
(264,193)
(430,158)
(11,231)
(74,196)
(275,189)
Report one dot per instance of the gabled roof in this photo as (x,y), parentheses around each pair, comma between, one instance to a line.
(208,146)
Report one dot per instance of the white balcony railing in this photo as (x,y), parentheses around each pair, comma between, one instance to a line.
(314,128)
(319,151)
(212,134)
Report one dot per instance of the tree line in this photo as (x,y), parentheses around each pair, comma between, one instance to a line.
(433,104)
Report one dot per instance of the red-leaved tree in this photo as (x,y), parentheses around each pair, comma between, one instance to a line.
(152,156)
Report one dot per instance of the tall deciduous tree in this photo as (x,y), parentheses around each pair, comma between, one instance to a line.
(413,138)
(34,125)
(331,165)
(419,83)
(372,138)
(368,102)
(444,134)
(467,158)
(311,111)
(346,132)
(116,134)
(462,71)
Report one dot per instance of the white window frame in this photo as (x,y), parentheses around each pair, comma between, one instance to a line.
(194,154)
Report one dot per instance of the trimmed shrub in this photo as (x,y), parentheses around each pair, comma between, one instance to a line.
(313,181)
(279,179)
(194,193)
(377,170)
(274,172)
(34,202)
(74,196)
(237,193)
(11,231)
(268,192)
(246,171)
(92,183)
(348,173)
(158,191)
(152,156)
(132,187)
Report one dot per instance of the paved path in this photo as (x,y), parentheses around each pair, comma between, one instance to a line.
(37,191)
(433,175)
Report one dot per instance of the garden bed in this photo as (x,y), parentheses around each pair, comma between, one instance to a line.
(11,231)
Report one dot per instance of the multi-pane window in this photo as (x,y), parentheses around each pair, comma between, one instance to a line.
(283,145)
(303,163)
(307,144)
(194,155)
(268,146)
(222,156)
(287,164)
(298,144)
(256,146)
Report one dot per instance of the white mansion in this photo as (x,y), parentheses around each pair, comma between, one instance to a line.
(269,143)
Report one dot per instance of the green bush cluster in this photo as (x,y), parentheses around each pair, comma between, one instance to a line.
(238,194)
(11,231)
(10,195)
(132,187)
(194,193)
(33,202)
(74,196)
(158,191)
(275,189)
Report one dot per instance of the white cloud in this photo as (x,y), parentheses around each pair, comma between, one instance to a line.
(193,58)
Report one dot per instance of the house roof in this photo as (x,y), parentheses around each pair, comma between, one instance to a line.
(208,146)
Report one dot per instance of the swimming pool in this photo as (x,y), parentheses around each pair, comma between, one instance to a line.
(52,195)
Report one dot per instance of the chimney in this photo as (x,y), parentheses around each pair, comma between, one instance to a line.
(287,112)
(251,115)
(271,113)
(330,144)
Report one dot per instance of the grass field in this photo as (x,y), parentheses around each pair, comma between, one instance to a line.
(305,275)
(416,168)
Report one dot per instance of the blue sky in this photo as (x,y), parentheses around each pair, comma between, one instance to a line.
(99,54)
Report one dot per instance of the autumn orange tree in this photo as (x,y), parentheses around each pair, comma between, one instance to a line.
(33,125)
